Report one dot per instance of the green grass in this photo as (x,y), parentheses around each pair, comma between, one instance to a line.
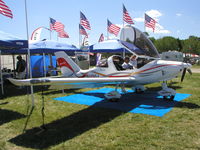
(73,127)
(196,66)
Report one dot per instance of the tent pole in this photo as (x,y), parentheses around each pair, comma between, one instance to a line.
(2,88)
(44,61)
(14,69)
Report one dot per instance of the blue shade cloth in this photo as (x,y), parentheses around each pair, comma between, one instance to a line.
(80,99)
(106,90)
(37,65)
(11,42)
(147,103)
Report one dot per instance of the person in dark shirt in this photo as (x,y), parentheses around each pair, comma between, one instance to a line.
(21,67)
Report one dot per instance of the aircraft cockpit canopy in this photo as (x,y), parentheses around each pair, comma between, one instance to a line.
(137,38)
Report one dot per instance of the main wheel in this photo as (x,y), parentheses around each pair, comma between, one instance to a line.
(171,98)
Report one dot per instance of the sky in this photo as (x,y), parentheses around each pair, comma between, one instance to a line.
(177,18)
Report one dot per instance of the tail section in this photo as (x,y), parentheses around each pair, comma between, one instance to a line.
(68,66)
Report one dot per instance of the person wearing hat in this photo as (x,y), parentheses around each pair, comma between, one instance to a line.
(21,67)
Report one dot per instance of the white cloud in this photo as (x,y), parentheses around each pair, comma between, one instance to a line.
(158,29)
(119,25)
(178,31)
(140,19)
(155,14)
(178,14)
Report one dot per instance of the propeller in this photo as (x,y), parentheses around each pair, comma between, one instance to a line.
(183,74)
(190,71)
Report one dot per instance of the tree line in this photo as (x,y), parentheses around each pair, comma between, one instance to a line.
(190,45)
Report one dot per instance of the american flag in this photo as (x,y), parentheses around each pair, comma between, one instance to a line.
(82,31)
(113,28)
(5,10)
(84,22)
(126,16)
(101,38)
(63,34)
(150,22)
(57,26)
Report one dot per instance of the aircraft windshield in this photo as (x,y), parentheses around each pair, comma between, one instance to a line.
(144,43)
(140,40)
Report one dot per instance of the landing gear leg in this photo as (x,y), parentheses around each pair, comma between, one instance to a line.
(139,89)
(123,88)
(167,93)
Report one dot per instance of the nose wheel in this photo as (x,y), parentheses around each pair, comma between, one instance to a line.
(167,93)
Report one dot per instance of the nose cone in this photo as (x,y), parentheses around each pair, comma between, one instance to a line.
(187,65)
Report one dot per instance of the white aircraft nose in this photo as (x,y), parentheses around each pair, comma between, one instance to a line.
(187,65)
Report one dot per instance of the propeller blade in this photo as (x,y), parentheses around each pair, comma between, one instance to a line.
(183,74)
(190,71)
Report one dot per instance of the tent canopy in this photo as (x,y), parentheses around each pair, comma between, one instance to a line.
(8,41)
(114,46)
(44,46)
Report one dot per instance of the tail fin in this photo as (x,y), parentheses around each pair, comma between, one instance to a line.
(67,65)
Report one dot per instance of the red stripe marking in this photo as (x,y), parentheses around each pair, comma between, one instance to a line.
(62,62)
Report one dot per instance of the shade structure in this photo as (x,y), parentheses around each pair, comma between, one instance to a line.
(10,42)
(114,46)
(44,46)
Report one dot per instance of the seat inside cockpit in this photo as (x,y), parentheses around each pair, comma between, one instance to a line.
(118,61)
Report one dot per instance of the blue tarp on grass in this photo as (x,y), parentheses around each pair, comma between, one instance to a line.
(148,103)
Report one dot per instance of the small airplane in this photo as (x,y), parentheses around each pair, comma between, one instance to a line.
(150,69)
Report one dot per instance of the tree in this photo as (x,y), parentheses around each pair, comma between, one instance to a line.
(191,45)
(152,39)
(147,34)
(180,44)
(167,43)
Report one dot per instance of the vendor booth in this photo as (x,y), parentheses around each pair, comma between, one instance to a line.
(11,45)
(9,42)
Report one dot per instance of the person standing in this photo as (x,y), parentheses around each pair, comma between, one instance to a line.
(21,68)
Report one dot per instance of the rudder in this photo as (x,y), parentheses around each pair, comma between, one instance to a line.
(67,65)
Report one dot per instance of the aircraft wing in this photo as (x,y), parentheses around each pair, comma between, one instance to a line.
(68,81)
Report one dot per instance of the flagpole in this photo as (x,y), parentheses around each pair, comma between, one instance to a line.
(50,29)
(144,24)
(29,56)
(80,36)
(107,31)
(123,27)
(30,69)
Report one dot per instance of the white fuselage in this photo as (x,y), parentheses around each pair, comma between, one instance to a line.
(154,71)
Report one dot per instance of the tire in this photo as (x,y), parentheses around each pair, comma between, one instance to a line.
(114,99)
(171,98)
